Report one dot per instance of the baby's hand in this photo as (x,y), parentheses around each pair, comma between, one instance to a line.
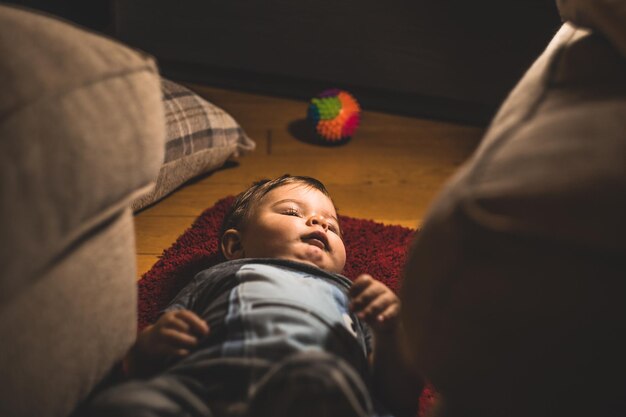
(173,335)
(375,303)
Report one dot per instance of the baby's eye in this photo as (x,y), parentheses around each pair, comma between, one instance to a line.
(291,212)
(333,228)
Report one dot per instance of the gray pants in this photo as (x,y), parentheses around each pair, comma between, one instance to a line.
(241,387)
(208,388)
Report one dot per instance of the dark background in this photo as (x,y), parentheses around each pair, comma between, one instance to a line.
(453,60)
(94,14)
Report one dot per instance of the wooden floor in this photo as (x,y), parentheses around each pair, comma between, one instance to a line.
(389,172)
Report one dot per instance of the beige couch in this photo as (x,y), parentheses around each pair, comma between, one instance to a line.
(81,135)
(515,292)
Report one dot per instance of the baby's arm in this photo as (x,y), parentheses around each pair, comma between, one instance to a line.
(173,335)
(395,379)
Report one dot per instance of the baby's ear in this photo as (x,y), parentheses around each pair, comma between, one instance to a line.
(231,244)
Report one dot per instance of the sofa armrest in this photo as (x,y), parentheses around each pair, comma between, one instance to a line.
(606,16)
(514,288)
(82,128)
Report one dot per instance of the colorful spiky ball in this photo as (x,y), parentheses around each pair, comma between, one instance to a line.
(335,114)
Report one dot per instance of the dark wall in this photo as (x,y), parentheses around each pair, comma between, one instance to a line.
(94,14)
(453,59)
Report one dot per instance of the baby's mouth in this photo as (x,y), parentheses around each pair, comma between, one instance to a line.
(317,239)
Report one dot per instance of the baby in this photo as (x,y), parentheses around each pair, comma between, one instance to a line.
(275,330)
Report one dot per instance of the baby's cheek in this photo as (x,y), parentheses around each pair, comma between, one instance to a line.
(342,255)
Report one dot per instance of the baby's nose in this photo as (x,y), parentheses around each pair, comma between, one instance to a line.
(318,220)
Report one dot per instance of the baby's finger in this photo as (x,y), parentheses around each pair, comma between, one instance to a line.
(366,297)
(180,352)
(178,339)
(376,306)
(197,325)
(169,351)
(390,313)
(360,283)
(175,323)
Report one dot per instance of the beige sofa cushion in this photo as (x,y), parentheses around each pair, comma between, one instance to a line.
(605,16)
(81,122)
(514,291)
(81,134)
(63,333)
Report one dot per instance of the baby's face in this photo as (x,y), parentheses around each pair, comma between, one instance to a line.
(298,223)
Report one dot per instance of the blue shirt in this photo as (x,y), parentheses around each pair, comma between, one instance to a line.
(272,308)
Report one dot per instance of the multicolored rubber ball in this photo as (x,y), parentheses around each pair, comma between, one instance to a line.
(335,114)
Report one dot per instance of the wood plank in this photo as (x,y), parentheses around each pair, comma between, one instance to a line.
(144,263)
(156,233)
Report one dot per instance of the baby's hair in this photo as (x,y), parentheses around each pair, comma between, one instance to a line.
(245,202)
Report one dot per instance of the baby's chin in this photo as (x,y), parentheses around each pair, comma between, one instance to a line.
(319,264)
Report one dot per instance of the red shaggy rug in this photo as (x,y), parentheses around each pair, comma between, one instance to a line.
(371,247)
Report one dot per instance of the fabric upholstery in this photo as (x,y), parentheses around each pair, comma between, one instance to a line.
(514,288)
(200,137)
(81,135)
(81,119)
(62,334)
(605,16)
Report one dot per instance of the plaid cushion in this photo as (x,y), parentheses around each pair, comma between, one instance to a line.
(200,138)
